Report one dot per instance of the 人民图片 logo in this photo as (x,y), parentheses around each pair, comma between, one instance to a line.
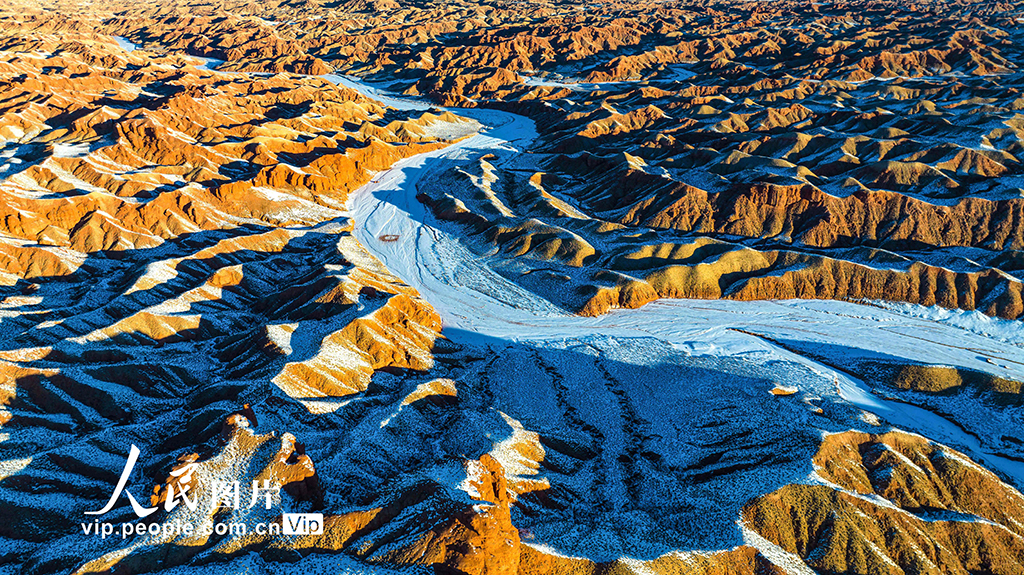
(220,494)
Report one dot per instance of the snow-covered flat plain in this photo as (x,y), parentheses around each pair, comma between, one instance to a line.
(376,93)
(125,44)
(208,64)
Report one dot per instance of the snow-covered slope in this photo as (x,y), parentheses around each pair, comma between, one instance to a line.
(679,392)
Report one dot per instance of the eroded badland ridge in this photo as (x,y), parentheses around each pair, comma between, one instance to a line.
(417,263)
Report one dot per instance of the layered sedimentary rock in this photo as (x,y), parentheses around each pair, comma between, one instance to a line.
(813,135)
(172,236)
(895,503)
(179,273)
(870,149)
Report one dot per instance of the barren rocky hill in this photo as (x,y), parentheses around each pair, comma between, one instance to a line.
(415,263)
(864,150)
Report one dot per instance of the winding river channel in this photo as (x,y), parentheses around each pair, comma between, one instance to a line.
(654,392)
(476,300)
